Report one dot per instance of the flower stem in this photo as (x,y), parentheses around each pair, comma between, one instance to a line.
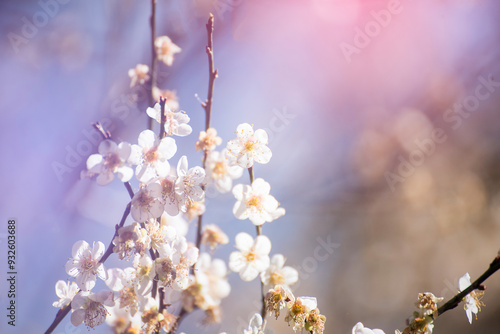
(152,22)
(207,105)
(163,117)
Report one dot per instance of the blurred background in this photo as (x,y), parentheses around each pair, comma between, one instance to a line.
(383,122)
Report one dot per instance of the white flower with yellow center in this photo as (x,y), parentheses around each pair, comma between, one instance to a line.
(249,146)
(85,265)
(278,274)
(255,203)
(151,155)
(252,256)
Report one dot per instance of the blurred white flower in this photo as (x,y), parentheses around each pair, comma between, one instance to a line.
(213,236)
(151,155)
(472,301)
(277,273)
(111,159)
(252,257)
(208,140)
(220,172)
(172,101)
(166,49)
(255,325)
(90,308)
(65,291)
(255,203)
(248,147)
(138,74)
(211,275)
(85,265)
(360,329)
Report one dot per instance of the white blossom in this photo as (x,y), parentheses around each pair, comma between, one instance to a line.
(151,155)
(147,203)
(472,302)
(278,273)
(112,159)
(255,325)
(255,203)
(85,265)
(248,147)
(360,329)
(211,275)
(90,308)
(65,291)
(252,256)
(188,183)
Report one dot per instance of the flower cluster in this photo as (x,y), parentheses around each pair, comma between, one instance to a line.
(163,275)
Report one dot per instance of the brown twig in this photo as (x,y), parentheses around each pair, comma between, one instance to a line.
(477,284)
(207,105)
(152,21)
(163,119)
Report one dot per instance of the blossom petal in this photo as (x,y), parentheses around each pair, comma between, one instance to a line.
(147,139)
(244,241)
(77,317)
(107,146)
(262,245)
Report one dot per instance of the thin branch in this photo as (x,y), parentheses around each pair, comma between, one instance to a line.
(163,117)
(129,189)
(63,312)
(59,317)
(207,105)
(477,284)
(263,312)
(152,21)
(109,251)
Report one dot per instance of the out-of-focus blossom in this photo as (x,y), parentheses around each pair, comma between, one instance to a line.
(139,74)
(111,159)
(166,49)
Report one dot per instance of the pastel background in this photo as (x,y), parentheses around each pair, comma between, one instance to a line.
(353,117)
